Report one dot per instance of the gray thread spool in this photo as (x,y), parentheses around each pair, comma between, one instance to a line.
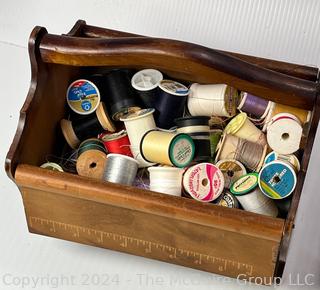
(120,169)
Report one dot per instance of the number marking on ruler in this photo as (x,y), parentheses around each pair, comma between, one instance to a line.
(102,237)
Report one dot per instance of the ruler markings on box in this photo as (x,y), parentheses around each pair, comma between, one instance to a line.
(102,237)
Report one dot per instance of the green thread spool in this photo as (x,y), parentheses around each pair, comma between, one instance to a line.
(215,136)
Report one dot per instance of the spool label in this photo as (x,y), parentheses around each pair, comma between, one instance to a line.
(182,152)
(204,182)
(231,100)
(83,97)
(232,170)
(174,88)
(227,200)
(245,184)
(277,180)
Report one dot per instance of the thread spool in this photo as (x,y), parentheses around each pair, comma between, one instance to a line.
(83,97)
(242,127)
(146,83)
(166,179)
(302,115)
(284,134)
(92,158)
(215,136)
(227,199)
(199,130)
(231,170)
(248,153)
(137,124)
(170,103)
(277,179)
(290,158)
(117,143)
(120,169)
(89,126)
(250,196)
(167,148)
(119,94)
(212,100)
(52,166)
(257,108)
(203,182)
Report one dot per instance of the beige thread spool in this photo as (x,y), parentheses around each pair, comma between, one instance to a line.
(228,148)
(92,159)
(242,127)
(212,100)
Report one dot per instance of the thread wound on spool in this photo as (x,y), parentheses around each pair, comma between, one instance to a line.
(92,158)
(167,148)
(212,100)
(284,134)
(254,106)
(250,196)
(117,143)
(120,94)
(120,169)
(170,103)
(203,181)
(166,179)
(231,170)
(277,179)
(83,97)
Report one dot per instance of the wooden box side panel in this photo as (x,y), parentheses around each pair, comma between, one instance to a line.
(158,237)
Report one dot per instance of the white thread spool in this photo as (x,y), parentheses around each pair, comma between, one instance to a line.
(242,127)
(250,196)
(284,134)
(204,182)
(166,179)
(212,100)
(137,124)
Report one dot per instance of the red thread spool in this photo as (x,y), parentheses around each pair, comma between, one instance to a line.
(117,143)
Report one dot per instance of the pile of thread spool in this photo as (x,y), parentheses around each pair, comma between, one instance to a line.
(209,142)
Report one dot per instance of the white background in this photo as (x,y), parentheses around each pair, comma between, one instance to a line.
(285,30)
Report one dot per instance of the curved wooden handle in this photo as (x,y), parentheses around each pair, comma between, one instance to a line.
(81,29)
(183,60)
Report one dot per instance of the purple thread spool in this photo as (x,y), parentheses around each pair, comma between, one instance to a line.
(254,106)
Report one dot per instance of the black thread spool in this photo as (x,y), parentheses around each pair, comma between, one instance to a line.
(198,128)
(86,127)
(119,94)
(170,103)
(146,84)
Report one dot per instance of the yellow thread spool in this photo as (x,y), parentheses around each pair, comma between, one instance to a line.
(242,127)
(167,148)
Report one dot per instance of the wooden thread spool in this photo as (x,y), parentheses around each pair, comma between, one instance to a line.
(257,108)
(92,159)
(242,127)
(284,134)
(302,115)
(212,100)
(251,198)
(167,148)
(90,126)
(248,153)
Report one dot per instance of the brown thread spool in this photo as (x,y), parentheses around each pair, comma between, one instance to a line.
(90,126)
(92,159)
(248,153)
